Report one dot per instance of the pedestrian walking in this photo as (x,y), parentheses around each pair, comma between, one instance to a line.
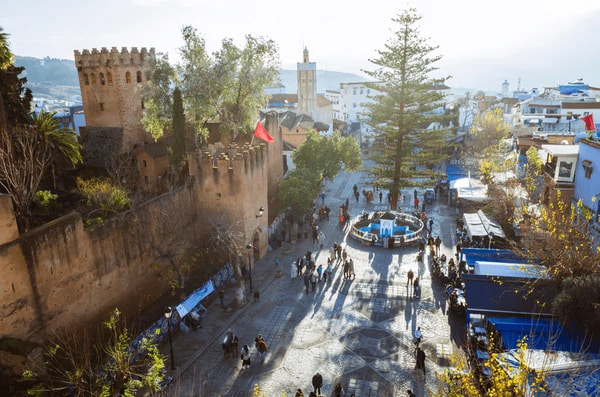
(307,281)
(344,255)
(410,278)
(438,243)
(346,269)
(222,298)
(410,393)
(356,195)
(430,225)
(458,248)
(315,235)
(321,239)
(415,193)
(421,246)
(320,271)
(294,269)
(261,347)
(416,288)
(338,252)
(338,391)
(418,337)
(329,271)
(299,393)
(245,358)
(416,204)
(347,204)
(380,196)
(317,382)
(313,281)
(351,269)
(421,360)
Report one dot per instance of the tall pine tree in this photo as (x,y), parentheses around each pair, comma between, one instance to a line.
(405,106)
(178,144)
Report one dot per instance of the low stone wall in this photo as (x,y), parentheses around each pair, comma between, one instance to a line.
(367,238)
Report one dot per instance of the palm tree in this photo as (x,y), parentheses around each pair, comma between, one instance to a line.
(6,57)
(62,142)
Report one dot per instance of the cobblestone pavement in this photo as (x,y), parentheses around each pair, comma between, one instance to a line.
(357,332)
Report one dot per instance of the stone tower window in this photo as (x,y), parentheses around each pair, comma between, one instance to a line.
(139,76)
(109,78)
(101,107)
(143,105)
(102,78)
(128,77)
(93,78)
(86,79)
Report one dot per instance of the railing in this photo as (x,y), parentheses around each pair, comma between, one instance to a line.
(371,238)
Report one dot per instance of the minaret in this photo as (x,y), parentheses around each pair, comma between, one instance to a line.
(505,88)
(307,85)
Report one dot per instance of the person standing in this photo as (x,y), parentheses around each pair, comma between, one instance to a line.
(416,204)
(421,360)
(338,391)
(344,255)
(438,243)
(317,382)
(346,269)
(261,347)
(245,358)
(418,337)
(410,393)
(410,278)
(299,393)
(313,281)
(380,196)
(329,271)
(307,281)
(320,271)
(351,269)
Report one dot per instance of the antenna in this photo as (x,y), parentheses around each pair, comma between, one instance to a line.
(519,85)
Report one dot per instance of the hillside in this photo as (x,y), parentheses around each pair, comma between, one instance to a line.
(49,71)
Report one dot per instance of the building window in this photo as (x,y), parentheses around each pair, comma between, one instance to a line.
(354,91)
(86,79)
(145,164)
(143,105)
(128,77)
(139,76)
(354,105)
(564,169)
(361,91)
(109,78)
(587,167)
(102,78)
(146,179)
(101,107)
(368,91)
(93,78)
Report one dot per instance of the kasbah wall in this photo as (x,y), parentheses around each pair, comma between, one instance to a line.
(61,274)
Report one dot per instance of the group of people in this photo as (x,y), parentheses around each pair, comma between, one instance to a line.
(414,283)
(231,342)
(317,383)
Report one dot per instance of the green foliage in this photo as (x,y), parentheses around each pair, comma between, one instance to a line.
(487,134)
(533,171)
(178,146)
(6,57)
(298,190)
(228,86)
(93,222)
(74,365)
(46,201)
(579,302)
(324,156)
(15,98)
(402,111)
(157,96)
(102,195)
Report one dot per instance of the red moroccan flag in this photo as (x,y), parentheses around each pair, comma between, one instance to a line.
(262,133)
(589,122)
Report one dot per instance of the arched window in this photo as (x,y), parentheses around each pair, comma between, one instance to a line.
(86,79)
(109,78)
(139,76)
(93,77)
(128,77)
(101,78)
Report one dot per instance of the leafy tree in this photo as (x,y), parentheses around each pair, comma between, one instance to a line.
(27,152)
(298,190)
(15,99)
(487,133)
(102,197)
(324,155)
(405,108)
(157,96)
(229,86)
(75,366)
(533,171)
(579,302)
(178,149)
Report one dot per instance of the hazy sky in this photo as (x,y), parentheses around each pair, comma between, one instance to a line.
(483,42)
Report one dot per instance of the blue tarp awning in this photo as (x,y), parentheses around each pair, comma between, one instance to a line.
(187,305)
(456,172)
(472,255)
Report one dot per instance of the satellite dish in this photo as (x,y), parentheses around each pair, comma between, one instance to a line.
(564,142)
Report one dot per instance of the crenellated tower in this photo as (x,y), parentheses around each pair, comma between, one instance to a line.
(111,85)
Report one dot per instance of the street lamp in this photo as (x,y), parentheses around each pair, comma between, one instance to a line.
(249,247)
(491,236)
(261,211)
(168,312)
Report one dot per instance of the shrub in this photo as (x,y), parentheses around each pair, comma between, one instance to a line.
(101,195)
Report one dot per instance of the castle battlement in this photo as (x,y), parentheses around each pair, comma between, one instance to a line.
(104,57)
(234,162)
